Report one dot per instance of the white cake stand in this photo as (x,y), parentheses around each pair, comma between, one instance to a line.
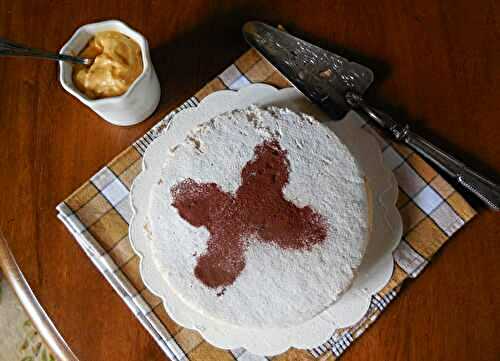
(373,274)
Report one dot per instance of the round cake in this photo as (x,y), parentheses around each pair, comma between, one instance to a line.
(260,218)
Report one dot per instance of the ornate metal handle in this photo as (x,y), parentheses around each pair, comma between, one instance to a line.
(485,189)
(482,187)
(10,48)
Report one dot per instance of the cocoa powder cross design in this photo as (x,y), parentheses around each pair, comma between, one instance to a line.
(257,211)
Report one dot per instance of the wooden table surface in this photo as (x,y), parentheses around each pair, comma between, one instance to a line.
(436,62)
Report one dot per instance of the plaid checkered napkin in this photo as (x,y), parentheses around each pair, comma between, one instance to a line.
(98,213)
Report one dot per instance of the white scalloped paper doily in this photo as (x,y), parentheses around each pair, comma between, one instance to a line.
(373,274)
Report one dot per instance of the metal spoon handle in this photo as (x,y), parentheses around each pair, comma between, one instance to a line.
(10,48)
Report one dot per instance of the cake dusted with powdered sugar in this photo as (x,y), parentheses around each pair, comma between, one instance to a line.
(260,218)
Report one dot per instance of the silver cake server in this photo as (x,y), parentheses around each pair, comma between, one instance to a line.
(337,85)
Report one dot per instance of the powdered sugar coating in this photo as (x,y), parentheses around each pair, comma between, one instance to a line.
(277,288)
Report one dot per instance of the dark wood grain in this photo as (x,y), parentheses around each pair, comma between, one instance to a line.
(437,64)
